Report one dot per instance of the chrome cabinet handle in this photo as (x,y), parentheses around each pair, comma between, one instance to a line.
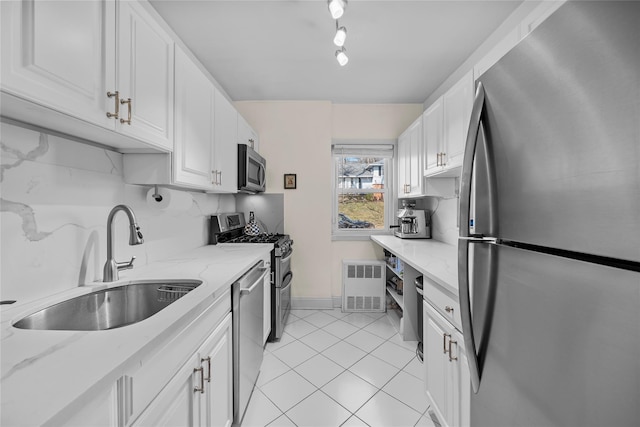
(463,243)
(438,159)
(208,360)
(115,94)
(220,179)
(128,102)
(444,342)
(451,358)
(448,309)
(201,388)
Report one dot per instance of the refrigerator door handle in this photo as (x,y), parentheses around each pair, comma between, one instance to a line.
(463,243)
(467,163)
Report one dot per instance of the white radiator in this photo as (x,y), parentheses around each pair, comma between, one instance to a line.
(363,285)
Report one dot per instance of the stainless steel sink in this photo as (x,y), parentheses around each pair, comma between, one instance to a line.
(109,308)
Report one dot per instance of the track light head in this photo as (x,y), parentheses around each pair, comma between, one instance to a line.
(341,56)
(336,8)
(340,37)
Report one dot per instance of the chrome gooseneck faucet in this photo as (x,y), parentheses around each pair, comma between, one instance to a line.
(111,267)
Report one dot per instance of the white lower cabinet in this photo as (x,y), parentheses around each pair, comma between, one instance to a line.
(201,392)
(446,371)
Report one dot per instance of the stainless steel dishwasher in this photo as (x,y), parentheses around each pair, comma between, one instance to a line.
(247,299)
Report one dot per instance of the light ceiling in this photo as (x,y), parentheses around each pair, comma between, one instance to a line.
(399,51)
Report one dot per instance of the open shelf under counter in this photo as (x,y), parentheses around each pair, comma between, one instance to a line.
(396,297)
(435,260)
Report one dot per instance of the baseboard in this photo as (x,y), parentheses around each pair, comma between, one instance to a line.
(337,302)
(312,303)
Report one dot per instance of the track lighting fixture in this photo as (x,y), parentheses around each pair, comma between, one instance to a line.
(336,8)
(341,56)
(341,36)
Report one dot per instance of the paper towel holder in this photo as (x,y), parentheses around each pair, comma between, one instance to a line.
(156,195)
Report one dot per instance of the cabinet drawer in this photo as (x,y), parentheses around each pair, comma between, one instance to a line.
(443,301)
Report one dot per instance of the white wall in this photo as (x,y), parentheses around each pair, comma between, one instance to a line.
(295,137)
(55,198)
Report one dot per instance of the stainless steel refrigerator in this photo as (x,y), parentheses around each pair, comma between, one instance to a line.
(549,265)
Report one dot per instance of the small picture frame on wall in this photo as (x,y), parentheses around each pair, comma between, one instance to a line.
(290,181)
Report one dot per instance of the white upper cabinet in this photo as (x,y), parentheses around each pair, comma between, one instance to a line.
(458,102)
(225,151)
(194,136)
(246,134)
(73,66)
(432,123)
(145,76)
(61,55)
(410,168)
(446,123)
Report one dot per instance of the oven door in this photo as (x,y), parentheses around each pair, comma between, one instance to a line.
(284,303)
(284,267)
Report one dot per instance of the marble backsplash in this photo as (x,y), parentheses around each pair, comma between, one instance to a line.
(55,196)
(444,218)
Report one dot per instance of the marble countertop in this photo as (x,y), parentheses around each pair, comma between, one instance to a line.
(46,372)
(436,260)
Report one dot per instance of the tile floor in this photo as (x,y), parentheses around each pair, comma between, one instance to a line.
(339,369)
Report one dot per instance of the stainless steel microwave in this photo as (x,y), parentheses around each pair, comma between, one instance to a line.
(251,170)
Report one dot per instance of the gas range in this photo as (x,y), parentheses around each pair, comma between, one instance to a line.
(229,228)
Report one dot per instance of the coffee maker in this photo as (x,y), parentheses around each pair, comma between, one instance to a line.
(413,223)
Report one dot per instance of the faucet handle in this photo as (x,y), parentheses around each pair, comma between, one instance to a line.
(126,265)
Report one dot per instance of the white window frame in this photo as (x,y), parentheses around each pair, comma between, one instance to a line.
(360,148)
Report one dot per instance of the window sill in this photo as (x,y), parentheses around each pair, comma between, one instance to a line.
(358,236)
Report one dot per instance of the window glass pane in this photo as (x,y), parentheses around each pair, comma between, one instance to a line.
(362,209)
(361,172)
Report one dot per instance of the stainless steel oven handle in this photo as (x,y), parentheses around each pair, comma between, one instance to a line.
(287,258)
(286,282)
(250,289)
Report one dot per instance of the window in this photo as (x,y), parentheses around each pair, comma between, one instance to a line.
(362,190)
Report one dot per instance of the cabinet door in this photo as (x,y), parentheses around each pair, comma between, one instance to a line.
(416,171)
(410,171)
(217,361)
(246,134)
(145,75)
(60,54)
(432,122)
(458,102)
(461,382)
(225,153)
(435,363)
(194,125)
(179,403)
